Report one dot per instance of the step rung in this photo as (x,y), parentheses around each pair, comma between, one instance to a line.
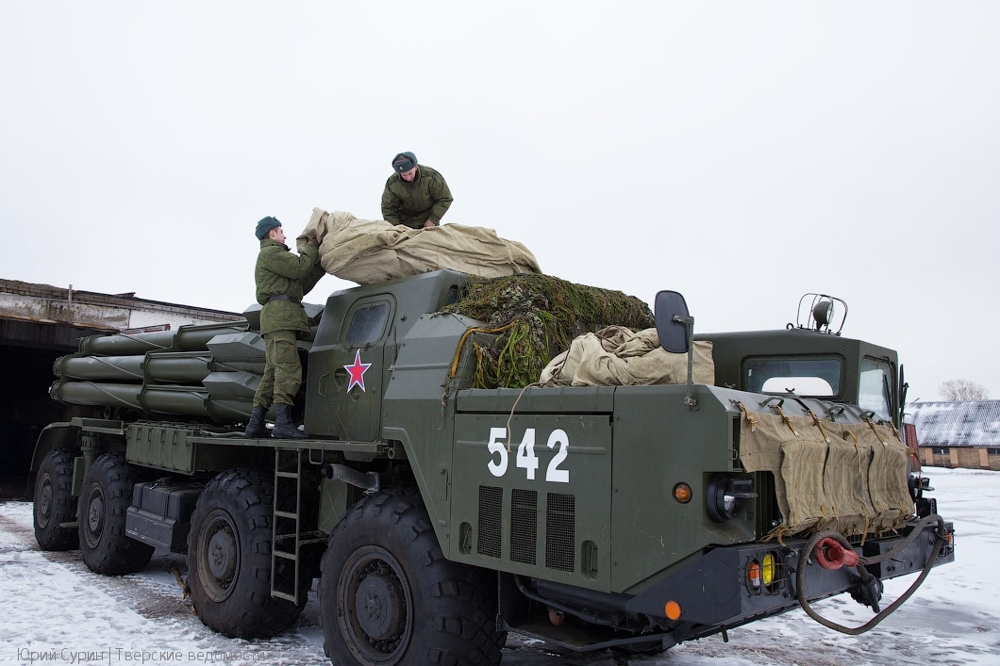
(282,595)
(287,475)
(286,514)
(314,534)
(282,554)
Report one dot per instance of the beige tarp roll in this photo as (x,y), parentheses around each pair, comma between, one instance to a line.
(850,478)
(615,356)
(369,251)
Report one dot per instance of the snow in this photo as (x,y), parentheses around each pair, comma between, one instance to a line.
(56,611)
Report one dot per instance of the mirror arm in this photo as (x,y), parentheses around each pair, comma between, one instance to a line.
(689,326)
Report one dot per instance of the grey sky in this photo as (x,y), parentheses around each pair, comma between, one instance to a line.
(741,153)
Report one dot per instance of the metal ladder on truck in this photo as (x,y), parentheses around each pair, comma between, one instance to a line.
(288,535)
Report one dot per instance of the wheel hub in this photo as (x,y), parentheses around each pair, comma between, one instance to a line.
(222,555)
(95,514)
(379,606)
(44,505)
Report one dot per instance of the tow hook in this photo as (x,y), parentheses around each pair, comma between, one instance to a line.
(867,591)
(830,554)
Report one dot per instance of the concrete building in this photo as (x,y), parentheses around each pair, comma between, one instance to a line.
(38,324)
(958,434)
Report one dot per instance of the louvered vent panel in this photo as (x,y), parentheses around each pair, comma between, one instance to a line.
(523,525)
(490,525)
(560,532)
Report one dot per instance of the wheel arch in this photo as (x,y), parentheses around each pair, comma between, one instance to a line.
(53,436)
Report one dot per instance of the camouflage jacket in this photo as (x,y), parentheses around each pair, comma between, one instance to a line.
(412,204)
(279,272)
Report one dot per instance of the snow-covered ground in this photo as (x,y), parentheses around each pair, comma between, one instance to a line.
(54,610)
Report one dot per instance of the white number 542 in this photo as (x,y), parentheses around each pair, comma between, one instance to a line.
(526,458)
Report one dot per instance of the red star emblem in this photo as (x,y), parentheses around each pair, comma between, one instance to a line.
(357,370)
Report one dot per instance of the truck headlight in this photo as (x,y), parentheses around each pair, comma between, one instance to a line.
(725,495)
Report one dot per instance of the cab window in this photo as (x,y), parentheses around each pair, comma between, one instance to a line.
(874,390)
(367,324)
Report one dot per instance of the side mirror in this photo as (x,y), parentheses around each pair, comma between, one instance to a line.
(672,319)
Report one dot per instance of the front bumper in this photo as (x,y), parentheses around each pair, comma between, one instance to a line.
(715,590)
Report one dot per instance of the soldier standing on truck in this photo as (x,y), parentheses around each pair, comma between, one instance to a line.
(415,196)
(282,280)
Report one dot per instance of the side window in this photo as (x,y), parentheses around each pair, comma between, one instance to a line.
(367,324)
(812,377)
(875,388)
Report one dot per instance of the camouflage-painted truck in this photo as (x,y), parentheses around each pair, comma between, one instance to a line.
(439,516)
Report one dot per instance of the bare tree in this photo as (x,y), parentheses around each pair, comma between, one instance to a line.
(963,389)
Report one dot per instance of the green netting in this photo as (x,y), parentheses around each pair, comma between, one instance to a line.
(540,315)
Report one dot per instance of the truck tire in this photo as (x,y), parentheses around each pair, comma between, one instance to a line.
(54,502)
(388,596)
(106,496)
(229,558)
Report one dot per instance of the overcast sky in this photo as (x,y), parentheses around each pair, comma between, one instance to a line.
(741,153)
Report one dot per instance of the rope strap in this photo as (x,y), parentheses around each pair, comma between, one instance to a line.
(786,419)
(819,425)
(748,415)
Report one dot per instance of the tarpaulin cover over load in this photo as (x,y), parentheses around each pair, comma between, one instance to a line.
(846,477)
(370,251)
(615,356)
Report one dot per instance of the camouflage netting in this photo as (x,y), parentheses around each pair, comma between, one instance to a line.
(540,315)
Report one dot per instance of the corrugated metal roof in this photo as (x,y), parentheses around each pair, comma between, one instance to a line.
(963,423)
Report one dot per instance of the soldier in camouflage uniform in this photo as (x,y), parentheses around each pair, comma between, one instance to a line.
(282,280)
(416,196)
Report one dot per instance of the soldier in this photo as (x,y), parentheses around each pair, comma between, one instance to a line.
(282,280)
(416,196)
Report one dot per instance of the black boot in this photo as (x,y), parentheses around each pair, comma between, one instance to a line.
(284,426)
(256,427)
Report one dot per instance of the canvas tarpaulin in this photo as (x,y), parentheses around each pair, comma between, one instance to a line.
(617,356)
(370,251)
(850,478)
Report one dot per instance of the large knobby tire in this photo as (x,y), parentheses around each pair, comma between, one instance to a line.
(229,559)
(104,502)
(54,502)
(388,596)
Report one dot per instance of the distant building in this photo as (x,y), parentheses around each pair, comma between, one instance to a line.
(957,434)
(38,324)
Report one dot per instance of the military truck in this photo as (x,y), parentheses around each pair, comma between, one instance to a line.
(439,516)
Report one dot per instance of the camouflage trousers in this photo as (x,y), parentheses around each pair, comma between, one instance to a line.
(282,371)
